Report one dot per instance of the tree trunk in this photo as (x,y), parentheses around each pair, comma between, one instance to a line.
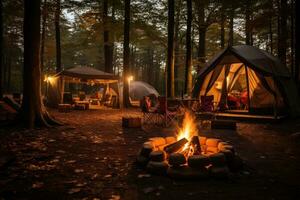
(44,24)
(202,34)
(33,111)
(270,35)
(126,55)
(150,65)
(170,57)
(177,48)
(230,38)
(188,60)
(292,39)
(297,43)
(222,33)
(282,37)
(247,23)
(106,40)
(57,36)
(1,49)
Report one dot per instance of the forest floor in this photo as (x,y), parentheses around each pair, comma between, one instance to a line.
(93,157)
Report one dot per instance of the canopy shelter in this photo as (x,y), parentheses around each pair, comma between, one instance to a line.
(78,74)
(250,79)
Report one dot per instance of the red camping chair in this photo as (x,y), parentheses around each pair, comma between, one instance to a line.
(167,116)
(207,103)
(149,116)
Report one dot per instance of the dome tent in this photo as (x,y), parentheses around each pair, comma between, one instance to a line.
(269,84)
(139,89)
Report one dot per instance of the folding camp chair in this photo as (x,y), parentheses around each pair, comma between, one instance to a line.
(149,116)
(166,116)
(206,110)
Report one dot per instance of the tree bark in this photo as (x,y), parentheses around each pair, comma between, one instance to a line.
(247,23)
(297,43)
(57,36)
(188,60)
(177,48)
(106,40)
(202,28)
(270,35)
(292,16)
(170,89)
(282,37)
(222,33)
(44,24)
(1,49)
(33,111)
(230,38)
(126,55)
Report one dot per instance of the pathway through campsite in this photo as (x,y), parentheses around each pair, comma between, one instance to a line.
(92,157)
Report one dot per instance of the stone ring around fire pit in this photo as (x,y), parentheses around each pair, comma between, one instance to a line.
(210,157)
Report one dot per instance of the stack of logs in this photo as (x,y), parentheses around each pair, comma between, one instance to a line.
(211,157)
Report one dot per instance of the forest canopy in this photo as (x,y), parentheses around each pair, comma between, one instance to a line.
(87,26)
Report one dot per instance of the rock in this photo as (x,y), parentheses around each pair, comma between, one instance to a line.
(212,142)
(159,168)
(157,141)
(219,172)
(142,161)
(185,172)
(212,150)
(161,147)
(198,161)
(221,144)
(170,139)
(228,155)
(217,159)
(177,159)
(203,148)
(228,147)
(146,149)
(202,140)
(157,156)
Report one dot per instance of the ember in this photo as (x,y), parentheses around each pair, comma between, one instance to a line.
(188,155)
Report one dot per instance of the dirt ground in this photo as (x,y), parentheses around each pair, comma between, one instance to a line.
(92,157)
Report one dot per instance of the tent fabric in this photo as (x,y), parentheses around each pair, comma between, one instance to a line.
(139,89)
(269,83)
(84,72)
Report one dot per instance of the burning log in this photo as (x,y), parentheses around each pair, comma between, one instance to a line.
(174,147)
(196,144)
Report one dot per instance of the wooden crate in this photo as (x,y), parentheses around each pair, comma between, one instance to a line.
(131,122)
(64,107)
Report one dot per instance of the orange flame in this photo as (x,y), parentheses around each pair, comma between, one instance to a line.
(188,130)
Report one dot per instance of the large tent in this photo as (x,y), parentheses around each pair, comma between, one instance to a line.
(266,83)
(78,74)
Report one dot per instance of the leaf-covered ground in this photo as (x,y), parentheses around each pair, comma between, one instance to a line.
(92,157)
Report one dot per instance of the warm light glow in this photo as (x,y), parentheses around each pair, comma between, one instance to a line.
(130,78)
(48,79)
(188,129)
(227,80)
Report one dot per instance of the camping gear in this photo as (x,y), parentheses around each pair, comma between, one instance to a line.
(261,83)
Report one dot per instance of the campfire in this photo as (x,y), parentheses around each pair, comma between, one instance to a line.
(188,155)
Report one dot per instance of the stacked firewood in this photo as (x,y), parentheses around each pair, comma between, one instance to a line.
(198,158)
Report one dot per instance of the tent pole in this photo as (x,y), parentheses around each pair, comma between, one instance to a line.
(248,89)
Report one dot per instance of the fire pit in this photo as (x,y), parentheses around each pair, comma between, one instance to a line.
(188,155)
